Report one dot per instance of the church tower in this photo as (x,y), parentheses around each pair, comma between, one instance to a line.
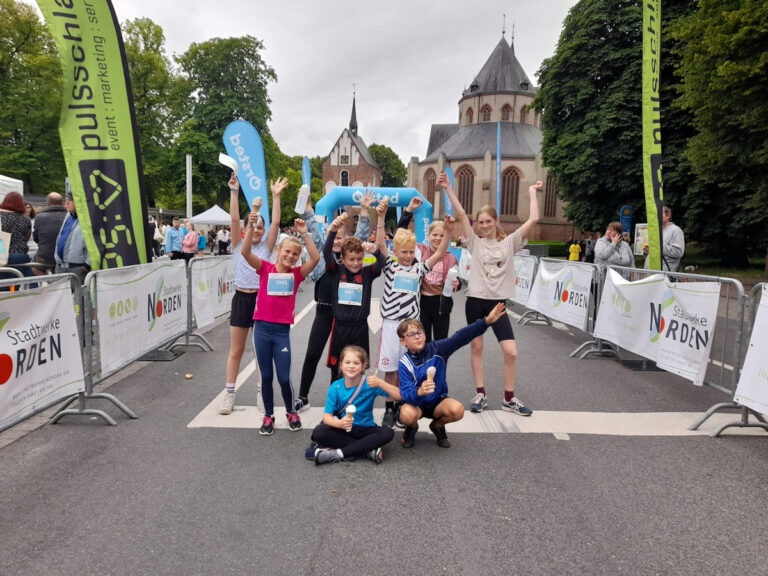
(350,163)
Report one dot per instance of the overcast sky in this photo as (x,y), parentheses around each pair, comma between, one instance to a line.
(409,59)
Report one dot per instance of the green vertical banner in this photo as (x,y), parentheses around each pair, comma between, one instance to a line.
(654,194)
(98,131)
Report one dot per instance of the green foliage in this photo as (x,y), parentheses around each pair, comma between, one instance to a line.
(724,82)
(393,171)
(30,101)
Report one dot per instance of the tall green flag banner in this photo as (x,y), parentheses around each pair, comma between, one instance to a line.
(654,194)
(98,131)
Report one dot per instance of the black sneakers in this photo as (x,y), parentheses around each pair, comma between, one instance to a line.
(440,435)
(409,436)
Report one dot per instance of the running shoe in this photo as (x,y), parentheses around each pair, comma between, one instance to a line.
(376,455)
(294,422)
(440,435)
(479,403)
(267,426)
(409,436)
(227,404)
(300,405)
(326,456)
(516,406)
(389,418)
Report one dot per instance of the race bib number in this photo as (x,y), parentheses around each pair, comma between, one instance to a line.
(350,294)
(279,284)
(407,282)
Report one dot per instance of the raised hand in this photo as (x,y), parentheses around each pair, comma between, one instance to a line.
(277,186)
(300,226)
(366,200)
(498,311)
(381,209)
(414,204)
(534,187)
(443,181)
(234,183)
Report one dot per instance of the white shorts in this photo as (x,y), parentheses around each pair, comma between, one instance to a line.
(390,348)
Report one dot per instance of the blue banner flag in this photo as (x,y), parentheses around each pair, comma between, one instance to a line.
(446,200)
(625,218)
(243,143)
(306,172)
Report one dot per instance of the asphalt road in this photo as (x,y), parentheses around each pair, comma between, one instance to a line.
(152,496)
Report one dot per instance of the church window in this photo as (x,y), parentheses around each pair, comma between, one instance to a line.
(470,115)
(510,189)
(344,159)
(465,183)
(506,112)
(485,113)
(523,115)
(429,186)
(344,178)
(550,198)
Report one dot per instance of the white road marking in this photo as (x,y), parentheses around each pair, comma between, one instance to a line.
(562,425)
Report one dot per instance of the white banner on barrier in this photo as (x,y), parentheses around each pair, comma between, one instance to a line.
(40,355)
(561,291)
(139,308)
(524,266)
(752,390)
(670,323)
(213,285)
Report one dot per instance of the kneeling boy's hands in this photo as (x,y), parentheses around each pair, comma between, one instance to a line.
(498,311)
(426,388)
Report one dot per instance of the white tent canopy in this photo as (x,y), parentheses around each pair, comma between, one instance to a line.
(8,184)
(214,216)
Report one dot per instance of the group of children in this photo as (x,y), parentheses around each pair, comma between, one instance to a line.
(414,344)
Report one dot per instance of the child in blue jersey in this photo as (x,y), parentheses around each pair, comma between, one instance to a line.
(347,434)
(428,397)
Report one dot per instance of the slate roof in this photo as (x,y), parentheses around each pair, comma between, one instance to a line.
(471,142)
(364,152)
(501,73)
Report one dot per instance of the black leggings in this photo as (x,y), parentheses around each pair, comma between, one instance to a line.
(318,336)
(357,442)
(436,326)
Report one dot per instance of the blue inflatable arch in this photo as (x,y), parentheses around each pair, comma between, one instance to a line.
(350,196)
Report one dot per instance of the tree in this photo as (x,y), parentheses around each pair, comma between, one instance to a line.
(155,94)
(724,82)
(226,79)
(393,172)
(30,100)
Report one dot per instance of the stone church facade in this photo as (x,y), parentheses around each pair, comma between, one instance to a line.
(501,92)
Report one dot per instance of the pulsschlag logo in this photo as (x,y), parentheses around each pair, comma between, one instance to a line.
(34,346)
(621,304)
(123,307)
(671,321)
(163,301)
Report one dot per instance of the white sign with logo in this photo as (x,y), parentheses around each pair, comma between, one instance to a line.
(752,390)
(561,291)
(671,323)
(40,355)
(524,267)
(139,308)
(213,286)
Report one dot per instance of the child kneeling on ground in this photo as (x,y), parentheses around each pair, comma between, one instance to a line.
(423,385)
(355,433)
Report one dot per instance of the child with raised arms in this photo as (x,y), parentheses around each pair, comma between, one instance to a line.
(348,432)
(403,274)
(246,283)
(273,316)
(352,286)
(492,280)
(422,370)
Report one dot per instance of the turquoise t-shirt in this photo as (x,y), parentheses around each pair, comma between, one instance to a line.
(339,394)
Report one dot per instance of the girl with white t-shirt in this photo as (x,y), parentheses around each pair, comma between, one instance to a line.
(492,280)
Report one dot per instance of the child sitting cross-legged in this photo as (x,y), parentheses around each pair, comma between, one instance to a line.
(423,385)
(347,432)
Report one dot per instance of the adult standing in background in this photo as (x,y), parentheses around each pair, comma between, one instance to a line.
(612,250)
(173,239)
(673,243)
(222,238)
(29,210)
(47,225)
(71,253)
(14,220)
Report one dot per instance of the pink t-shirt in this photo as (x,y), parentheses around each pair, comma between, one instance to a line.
(274,304)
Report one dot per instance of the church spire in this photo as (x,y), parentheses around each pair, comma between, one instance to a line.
(353,120)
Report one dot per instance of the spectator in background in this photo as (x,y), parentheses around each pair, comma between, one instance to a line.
(673,243)
(29,210)
(173,238)
(612,250)
(589,249)
(222,239)
(574,250)
(47,225)
(71,254)
(189,243)
(14,220)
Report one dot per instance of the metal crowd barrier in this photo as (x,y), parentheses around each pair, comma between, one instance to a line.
(531,316)
(77,297)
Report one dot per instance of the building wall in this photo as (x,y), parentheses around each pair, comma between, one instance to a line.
(496,102)
(345,156)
